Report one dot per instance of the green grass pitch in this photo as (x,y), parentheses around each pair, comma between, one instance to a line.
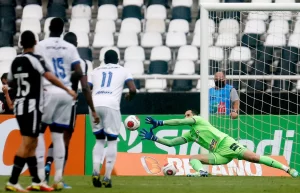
(82,184)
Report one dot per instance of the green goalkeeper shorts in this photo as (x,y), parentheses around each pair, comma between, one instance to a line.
(227,150)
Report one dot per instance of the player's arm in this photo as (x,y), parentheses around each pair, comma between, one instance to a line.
(148,135)
(171,122)
(132,89)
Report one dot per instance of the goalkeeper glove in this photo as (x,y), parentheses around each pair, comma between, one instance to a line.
(148,135)
(153,122)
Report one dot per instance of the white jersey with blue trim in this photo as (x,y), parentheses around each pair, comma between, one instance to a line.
(59,57)
(108,83)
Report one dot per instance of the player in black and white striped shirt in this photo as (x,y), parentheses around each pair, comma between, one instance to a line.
(26,77)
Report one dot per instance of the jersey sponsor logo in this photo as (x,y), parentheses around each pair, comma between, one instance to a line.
(213,145)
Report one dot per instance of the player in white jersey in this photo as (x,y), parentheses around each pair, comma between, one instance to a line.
(61,58)
(108,82)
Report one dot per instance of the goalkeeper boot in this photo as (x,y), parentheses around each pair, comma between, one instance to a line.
(96,180)
(41,187)
(293,172)
(106,182)
(201,173)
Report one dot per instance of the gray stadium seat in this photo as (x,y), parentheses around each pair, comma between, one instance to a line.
(159,2)
(59,2)
(57,10)
(6,39)
(8,2)
(182,85)
(7,11)
(158,67)
(28,2)
(181,12)
(132,11)
(85,53)
(84,2)
(104,2)
(8,25)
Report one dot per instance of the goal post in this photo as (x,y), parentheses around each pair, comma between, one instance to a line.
(264,132)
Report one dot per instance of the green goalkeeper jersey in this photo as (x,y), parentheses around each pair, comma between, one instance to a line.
(203,133)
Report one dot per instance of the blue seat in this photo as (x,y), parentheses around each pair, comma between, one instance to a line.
(59,2)
(28,2)
(132,11)
(159,2)
(158,67)
(85,53)
(6,39)
(8,24)
(57,10)
(182,12)
(84,2)
(182,85)
(8,2)
(104,2)
(7,11)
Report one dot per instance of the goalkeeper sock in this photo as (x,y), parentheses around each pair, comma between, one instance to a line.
(272,163)
(196,165)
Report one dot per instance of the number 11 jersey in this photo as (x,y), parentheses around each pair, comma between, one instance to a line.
(108,81)
(59,56)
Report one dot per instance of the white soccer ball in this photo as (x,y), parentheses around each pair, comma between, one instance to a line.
(132,122)
(169,170)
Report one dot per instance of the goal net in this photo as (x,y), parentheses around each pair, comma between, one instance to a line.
(259,53)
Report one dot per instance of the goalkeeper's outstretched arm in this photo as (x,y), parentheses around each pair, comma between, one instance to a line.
(172,142)
(175,122)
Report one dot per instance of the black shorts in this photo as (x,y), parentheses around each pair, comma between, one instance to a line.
(30,123)
(73,119)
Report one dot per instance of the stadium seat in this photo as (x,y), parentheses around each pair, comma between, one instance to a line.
(82,39)
(32,12)
(297,27)
(229,26)
(158,2)
(30,24)
(261,1)
(197,39)
(110,2)
(212,26)
(251,40)
(226,40)
(179,25)
(131,25)
(182,85)
(80,25)
(188,53)
(5,66)
(85,53)
(6,39)
(105,49)
(134,53)
(7,12)
(175,39)
(36,38)
(255,27)
(151,39)
(216,53)
(258,15)
(57,10)
(47,24)
(158,67)
(278,26)
(135,67)
(105,26)
(274,40)
(90,66)
(8,24)
(12,3)
(234,1)
(133,2)
(81,12)
(184,67)
(155,25)
(281,15)
(103,39)
(156,85)
(156,12)
(126,39)
(83,2)
(132,11)
(29,2)
(186,3)
(285,1)
(107,12)
(7,53)
(59,2)
(211,84)
(162,53)
(238,58)
(182,12)
(294,41)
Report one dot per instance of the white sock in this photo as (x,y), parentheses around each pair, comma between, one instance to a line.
(58,155)
(110,157)
(98,153)
(40,156)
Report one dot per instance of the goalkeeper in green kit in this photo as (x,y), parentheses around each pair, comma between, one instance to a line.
(222,147)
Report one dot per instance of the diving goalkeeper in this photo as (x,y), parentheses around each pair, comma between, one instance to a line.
(222,147)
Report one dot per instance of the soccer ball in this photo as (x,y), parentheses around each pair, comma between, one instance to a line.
(132,122)
(169,169)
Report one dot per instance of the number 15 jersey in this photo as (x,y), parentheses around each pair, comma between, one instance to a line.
(108,82)
(59,57)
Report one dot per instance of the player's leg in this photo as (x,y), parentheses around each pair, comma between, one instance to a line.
(255,158)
